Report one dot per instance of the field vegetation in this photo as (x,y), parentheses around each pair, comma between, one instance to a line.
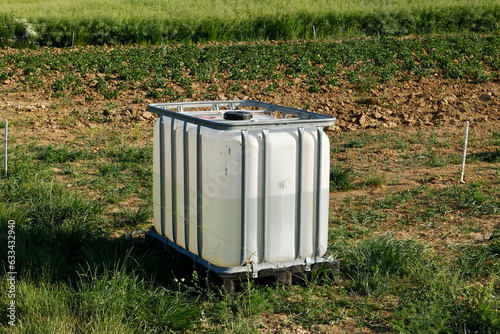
(419,251)
(402,269)
(83,22)
(174,72)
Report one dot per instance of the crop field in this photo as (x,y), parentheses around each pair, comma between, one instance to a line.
(419,250)
(82,22)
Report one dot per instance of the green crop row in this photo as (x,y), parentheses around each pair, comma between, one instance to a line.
(170,72)
(235,22)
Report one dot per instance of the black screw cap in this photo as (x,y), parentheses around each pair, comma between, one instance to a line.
(237,115)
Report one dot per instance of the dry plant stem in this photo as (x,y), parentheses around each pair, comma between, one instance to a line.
(466,139)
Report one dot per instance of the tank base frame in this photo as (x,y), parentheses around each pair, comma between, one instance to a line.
(291,272)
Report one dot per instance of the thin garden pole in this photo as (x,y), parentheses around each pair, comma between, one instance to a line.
(466,139)
(5,140)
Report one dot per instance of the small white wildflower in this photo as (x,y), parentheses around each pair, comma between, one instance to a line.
(29,31)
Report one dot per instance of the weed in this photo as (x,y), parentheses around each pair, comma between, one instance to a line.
(471,198)
(112,170)
(112,93)
(341,178)
(398,198)
(491,156)
(61,154)
(359,141)
(367,217)
(372,264)
(135,155)
(432,158)
(480,260)
(137,100)
(374,181)
(314,88)
(308,305)
(134,218)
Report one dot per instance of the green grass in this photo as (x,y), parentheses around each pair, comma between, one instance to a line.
(491,156)
(372,264)
(435,297)
(74,277)
(211,9)
(470,199)
(478,261)
(118,22)
(375,180)
(341,178)
(112,302)
(53,154)
(70,201)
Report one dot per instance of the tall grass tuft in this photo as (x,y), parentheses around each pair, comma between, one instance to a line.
(372,264)
(117,296)
(445,303)
(44,308)
(52,228)
(341,178)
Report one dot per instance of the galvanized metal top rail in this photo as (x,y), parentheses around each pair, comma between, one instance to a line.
(264,115)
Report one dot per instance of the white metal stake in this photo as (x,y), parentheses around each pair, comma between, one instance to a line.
(466,139)
(5,140)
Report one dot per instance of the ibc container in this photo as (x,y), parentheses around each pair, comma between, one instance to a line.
(241,186)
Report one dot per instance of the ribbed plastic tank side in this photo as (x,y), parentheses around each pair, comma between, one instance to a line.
(184,165)
(221,174)
(193,168)
(305,192)
(278,195)
(162,171)
(178,168)
(198,186)
(294,194)
(324,193)
(252,227)
(157,180)
(175,173)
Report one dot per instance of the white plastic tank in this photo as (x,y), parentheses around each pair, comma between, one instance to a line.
(241,185)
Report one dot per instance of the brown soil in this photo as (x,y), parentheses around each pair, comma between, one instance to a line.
(424,103)
(429,102)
